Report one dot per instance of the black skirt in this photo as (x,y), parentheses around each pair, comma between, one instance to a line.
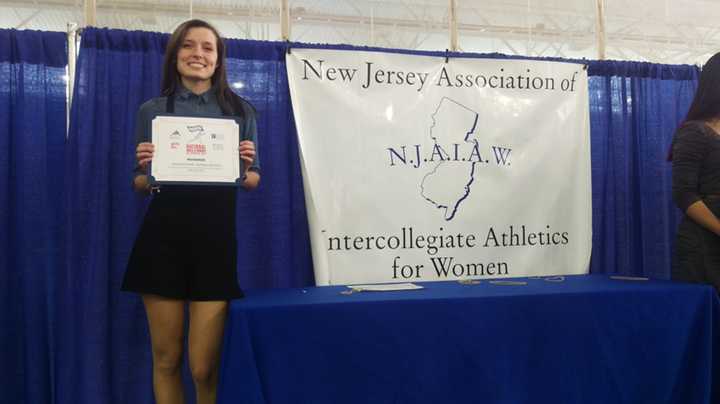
(697,252)
(186,248)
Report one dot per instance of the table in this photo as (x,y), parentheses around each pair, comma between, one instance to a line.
(578,339)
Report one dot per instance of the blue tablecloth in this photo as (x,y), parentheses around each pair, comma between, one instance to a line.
(587,339)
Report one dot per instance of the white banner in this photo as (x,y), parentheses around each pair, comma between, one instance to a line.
(419,169)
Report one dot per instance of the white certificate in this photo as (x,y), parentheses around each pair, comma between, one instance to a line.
(384,287)
(195,150)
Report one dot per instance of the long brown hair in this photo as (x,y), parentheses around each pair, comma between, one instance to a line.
(230,103)
(706,102)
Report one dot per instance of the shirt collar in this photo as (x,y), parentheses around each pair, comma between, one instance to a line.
(185,94)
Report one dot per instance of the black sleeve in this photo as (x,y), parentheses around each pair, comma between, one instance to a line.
(690,146)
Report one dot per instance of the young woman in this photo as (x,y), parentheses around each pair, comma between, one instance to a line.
(185,252)
(696,183)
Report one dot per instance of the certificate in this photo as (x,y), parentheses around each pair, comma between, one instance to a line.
(195,150)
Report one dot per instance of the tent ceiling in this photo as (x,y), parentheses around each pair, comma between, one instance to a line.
(665,31)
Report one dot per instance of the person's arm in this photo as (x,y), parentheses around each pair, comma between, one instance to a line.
(141,184)
(252,179)
(143,149)
(702,215)
(689,150)
(143,155)
(248,157)
(249,154)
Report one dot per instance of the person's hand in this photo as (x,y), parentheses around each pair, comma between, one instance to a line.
(247,153)
(144,154)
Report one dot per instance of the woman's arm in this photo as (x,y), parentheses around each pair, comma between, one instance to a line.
(143,155)
(252,179)
(144,149)
(248,157)
(690,148)
(702,215)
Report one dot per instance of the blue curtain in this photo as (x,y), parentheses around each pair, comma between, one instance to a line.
(634,110)
(32,150)
(273,245)
(103,335)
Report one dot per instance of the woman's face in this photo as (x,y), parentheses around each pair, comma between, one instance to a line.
(197,55)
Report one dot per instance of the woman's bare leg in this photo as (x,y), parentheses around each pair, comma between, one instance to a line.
(166,320)
(207,323)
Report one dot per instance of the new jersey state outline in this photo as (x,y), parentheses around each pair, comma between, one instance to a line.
(448,184)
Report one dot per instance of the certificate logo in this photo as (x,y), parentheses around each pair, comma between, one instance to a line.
(195,149)
(196,131)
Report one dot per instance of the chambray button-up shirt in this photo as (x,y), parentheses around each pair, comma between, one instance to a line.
(188,103)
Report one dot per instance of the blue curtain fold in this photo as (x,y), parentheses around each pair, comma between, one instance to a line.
(634,110)
(104,337)
(32,151)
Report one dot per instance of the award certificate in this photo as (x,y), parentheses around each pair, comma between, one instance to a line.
(195,150)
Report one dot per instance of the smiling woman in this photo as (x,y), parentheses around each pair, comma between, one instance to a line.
(196,59)
(185,252)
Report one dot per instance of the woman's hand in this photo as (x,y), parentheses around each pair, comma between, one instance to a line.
(144,154)
(247,153)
